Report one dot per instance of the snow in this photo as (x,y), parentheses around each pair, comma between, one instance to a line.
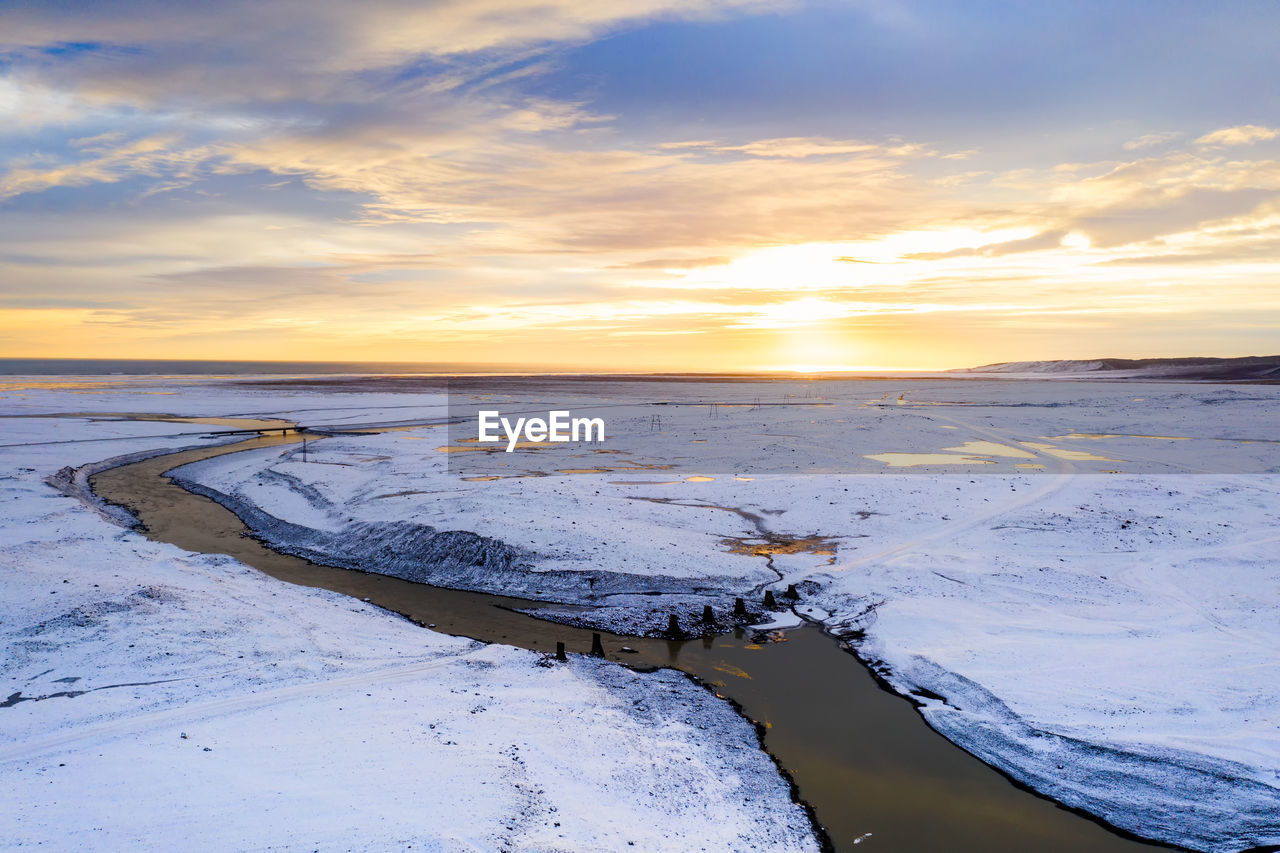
(1177,369)
(160,699)
(1100,628)
(1111,644)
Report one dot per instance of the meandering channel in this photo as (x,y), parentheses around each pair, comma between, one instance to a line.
(860,756)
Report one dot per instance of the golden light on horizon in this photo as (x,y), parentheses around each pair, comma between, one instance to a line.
(487,223)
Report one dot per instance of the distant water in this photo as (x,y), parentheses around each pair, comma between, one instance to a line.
(179,367)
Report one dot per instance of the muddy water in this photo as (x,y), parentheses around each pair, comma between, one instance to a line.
(877,777)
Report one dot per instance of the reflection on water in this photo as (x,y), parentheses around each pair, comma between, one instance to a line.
(975,453)
(768,546)
(491,448)
(1064,453)
(910,460)
(990,448)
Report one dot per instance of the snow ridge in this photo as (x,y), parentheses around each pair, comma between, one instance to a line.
(1204,802)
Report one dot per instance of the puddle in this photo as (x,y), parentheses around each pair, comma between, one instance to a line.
(911,460)
(990,448)
(1063,453)
(768,546)
(969,453)
(492,448)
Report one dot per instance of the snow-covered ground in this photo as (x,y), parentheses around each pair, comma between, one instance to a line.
(156,699)
(1150,369)
(1076,580)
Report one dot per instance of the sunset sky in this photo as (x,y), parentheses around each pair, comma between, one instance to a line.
(640,184)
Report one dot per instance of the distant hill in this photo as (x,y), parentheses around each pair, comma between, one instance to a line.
(1258,368)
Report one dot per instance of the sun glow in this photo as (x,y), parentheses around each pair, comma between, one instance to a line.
(817,348)
(893,260)
(804,312)
(830,368)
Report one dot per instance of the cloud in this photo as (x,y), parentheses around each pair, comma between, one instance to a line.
(673,263)
(795,147)
(800,147)
(1047,240)
(1150,140)
(692,143)
(110,160)
(25,106)
(151,52)
(1143,199)
(557,196)
(1244,134)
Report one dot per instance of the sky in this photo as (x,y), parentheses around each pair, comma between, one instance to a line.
(640,184)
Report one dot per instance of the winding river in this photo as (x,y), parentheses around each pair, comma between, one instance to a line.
(867,764)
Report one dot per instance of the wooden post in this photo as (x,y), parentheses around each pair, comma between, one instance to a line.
(707,615)
(791,591)
(769,601)
(673,625)
(739,607)
(597,648)
(560,655)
